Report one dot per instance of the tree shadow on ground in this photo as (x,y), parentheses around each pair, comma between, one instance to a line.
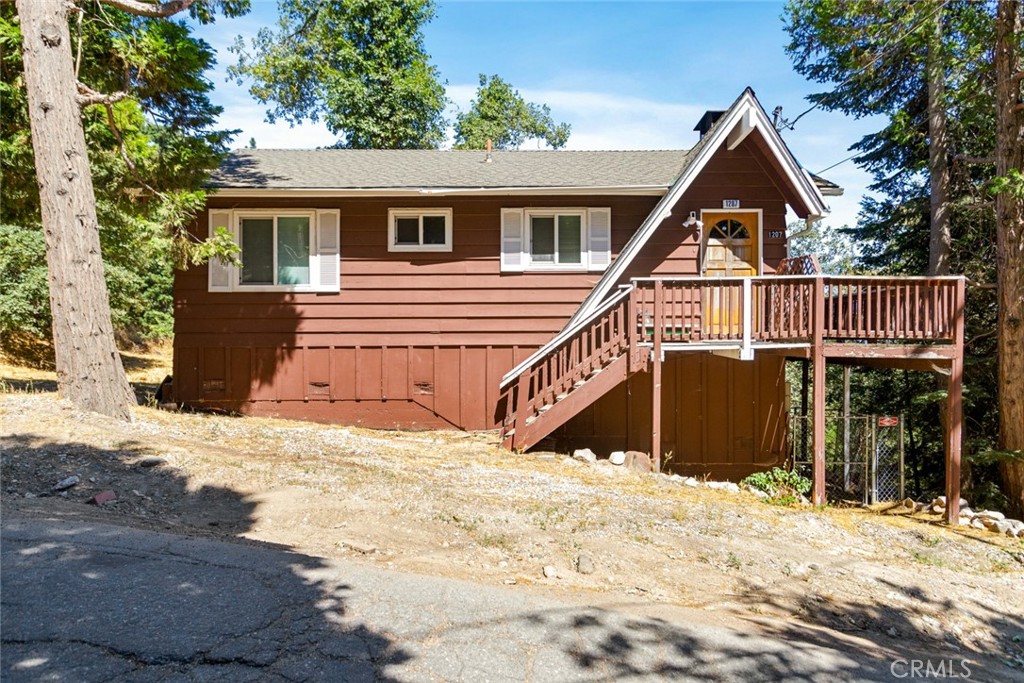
(87,601)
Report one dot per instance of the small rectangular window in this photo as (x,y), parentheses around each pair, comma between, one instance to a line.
(556,239)
(257,256)
(293,250)
(420,230)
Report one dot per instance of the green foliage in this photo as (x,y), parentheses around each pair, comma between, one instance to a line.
(871,58)
(358,65)
(166,128)
(500,114)
(784,487)
(835,250)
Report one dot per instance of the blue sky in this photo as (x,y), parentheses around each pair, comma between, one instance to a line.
(626,75)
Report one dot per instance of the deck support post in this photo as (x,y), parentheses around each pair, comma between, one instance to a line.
(954,411)
(522,400)
(656,379)
(818,360)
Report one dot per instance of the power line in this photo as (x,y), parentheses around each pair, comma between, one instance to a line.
(783,123)
(836,164)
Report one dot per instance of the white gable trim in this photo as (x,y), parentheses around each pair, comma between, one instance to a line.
(745,115)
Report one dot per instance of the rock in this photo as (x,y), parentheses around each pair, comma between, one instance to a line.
(584,564)
(1016,526)
(584,455)
(977,524)
(893,632)
(571,461)
(966,512)
(941,502)
(723,486)
(550,572)
(67,483)
(639,462)
(756,491)
(102,498)
(617,458)
(990,514)
(691,482)
(678,478)
(152,462)
(1000,526)
(989,522)
(920,507)
(938,509)
(359,547)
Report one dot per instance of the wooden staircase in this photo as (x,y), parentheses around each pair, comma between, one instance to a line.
(579,366)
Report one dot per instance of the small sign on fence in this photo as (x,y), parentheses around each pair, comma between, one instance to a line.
(892,421)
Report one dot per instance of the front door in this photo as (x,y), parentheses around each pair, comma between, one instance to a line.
(730,249)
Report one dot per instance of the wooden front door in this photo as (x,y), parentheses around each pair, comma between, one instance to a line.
(730,249)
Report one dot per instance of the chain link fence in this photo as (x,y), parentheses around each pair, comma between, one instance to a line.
(863,456)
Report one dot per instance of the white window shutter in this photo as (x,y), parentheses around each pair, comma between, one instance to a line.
(220,272)
(600,231)
(328,242)
(512,228)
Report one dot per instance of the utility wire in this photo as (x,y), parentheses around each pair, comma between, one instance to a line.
(887,50)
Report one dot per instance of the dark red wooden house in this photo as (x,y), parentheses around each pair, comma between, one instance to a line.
(605,299)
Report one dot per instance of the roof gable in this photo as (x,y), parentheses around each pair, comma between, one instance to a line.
(745,117)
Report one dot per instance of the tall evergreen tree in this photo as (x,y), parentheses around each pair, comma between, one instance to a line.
(89,371)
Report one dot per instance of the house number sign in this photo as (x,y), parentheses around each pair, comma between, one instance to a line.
(730,203)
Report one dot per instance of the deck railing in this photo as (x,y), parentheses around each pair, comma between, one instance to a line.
(781,309)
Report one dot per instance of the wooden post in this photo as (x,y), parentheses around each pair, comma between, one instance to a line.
(656,380)
(954,411)
(818,360)
(522,400)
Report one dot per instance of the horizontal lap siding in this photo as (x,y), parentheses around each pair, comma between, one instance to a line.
(420,340)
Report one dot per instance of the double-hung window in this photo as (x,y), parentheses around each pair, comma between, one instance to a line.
(286,250)
(420,230)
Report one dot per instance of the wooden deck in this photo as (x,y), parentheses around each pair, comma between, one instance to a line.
(911,322)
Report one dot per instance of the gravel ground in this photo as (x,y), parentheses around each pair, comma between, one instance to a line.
(453,504)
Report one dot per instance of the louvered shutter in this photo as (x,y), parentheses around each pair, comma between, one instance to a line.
(328,242)
(512,228)
(220,272)
(600,231)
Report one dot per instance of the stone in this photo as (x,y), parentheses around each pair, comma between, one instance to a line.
(67,483)
(977,523)
(550,572)
(893,632)
(359,547)
(584,455)
(1016,526)
(571,461)
(678,478)
(585,565)
(639,462)
(691,482)
(617,458)
(756,491)
(990,514)
(152,462)
(102,498)
(1000,526)
(966,512)
(723,486)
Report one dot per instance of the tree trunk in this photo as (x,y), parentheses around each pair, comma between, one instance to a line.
(89,371)
(940,242)
(1010,250)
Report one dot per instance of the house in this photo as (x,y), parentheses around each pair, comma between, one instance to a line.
(615,300)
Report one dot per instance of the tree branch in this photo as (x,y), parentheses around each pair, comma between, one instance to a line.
(112,124)
(142,8)
(974,160)
(1019,76)
(87,96)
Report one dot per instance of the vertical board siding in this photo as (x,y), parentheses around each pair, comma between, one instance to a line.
(720,416)
(423,339)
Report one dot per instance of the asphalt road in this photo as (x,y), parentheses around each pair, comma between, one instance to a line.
(84,602)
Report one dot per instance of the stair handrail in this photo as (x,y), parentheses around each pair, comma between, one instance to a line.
(624,291)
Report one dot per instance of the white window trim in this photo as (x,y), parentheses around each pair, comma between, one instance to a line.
(236,276)
(556,212)
(395,214)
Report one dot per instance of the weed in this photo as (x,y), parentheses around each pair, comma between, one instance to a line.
(733,562)
(783,487)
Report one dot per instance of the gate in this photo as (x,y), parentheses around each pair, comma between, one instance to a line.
(863,456)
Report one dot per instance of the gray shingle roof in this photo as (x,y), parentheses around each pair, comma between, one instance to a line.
(416,169)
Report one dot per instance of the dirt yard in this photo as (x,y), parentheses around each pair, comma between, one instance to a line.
(454,504)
